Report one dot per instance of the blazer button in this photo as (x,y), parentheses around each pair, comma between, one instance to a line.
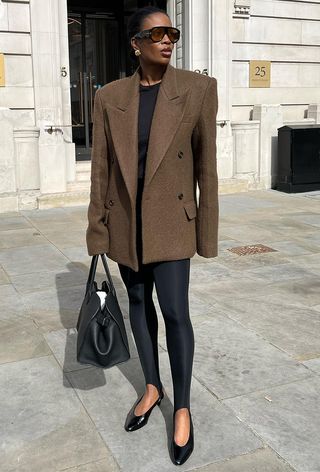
(180,196)
(111,202)
(180,154)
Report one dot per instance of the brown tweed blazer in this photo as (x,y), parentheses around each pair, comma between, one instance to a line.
(181,154)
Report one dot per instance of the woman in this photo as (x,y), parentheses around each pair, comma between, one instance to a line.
(154,139)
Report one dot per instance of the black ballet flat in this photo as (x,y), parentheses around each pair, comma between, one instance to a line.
(134,422)
(181,453)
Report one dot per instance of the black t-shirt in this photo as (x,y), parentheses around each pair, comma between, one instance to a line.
(148,97)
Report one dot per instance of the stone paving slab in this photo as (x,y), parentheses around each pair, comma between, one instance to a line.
(252,233)
(288,421)
(313,364)
(77,254)
(4,279)
(312,237)
(64,227)
(248,201)
(70,276)
(280,273)
(302,292)
(44,426)
(51,216)
(262,460)
(31,260)
(63,344)
(308,218)
(21,237)
(232,360)
(281,223)
(21,339)
(311,261)
(12,305)
(68,238)
(216,291)
(293,329)
(105,465)
(294,248)
(199,272)
(14,222)
(55,308)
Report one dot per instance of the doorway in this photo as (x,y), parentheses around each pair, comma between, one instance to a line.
(98,54)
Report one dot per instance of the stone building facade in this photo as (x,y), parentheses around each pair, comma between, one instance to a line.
(39,136)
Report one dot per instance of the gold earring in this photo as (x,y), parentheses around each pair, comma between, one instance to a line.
(137,52)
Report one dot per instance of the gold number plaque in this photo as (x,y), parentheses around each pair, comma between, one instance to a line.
(259,75)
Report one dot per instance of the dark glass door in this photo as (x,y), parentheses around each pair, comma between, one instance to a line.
(98,53)
(94,61)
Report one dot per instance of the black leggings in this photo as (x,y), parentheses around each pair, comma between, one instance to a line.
(171,279)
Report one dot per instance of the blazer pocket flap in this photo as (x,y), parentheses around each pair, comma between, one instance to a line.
(191,209)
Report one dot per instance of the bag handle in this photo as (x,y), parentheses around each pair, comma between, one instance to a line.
(92,273)
(105,264)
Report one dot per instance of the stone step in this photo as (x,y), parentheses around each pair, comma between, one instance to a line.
(78,185)
(78,193)
(232,186)
(83,174)
(55,200)
(83,166)
(83,171)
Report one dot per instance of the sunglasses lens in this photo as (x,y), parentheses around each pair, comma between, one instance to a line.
(173,34)
(157,34)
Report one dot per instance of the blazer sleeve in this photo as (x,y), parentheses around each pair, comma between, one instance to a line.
(97,236)
(205,165)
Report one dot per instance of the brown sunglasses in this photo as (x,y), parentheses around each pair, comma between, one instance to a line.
(157,33)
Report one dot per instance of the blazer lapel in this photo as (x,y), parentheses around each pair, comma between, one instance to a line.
(168,113)
(123,119)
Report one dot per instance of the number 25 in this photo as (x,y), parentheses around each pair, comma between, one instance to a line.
(261,71)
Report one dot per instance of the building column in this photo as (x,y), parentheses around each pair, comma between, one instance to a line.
(207,26)
(271,118)
(196,35)
(52,105)
(70,148)
(8,181)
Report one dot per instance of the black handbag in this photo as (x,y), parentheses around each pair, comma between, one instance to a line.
(102,339)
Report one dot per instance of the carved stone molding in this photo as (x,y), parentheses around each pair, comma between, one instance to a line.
(242,8)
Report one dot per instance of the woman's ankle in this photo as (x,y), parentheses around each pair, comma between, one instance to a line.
(183,410)
(153,389)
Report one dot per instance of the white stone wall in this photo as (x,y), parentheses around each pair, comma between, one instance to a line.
(15,44)
(287,33)
(34,41)
(16,97)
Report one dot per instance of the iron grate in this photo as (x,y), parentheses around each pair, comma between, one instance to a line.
(252,249)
